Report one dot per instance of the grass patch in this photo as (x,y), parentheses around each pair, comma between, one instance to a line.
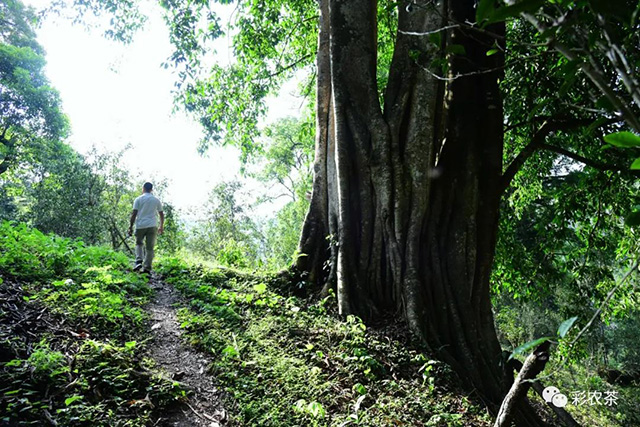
(286,361)
(72,332)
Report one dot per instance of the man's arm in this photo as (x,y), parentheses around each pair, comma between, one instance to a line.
(161,228)
(132,220)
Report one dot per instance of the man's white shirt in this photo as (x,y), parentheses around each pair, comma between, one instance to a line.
(148,207)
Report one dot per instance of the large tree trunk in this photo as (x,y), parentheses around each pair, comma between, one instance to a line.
(405,199)
(315,237)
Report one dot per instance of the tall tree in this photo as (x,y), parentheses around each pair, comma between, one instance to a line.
(406,185)
(409,166)
(30,109)
(410,187)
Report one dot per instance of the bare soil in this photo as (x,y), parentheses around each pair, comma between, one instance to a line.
(183,363)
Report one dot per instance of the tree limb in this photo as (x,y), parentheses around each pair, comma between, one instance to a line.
(537,141)
(288,67)
(589,162)
(120,236)
(537,385)
(428,33)
(619,61)
(533,365)
(610,295)
(592,73)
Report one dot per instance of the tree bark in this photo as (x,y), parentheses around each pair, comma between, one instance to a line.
(316,231)
(408,191)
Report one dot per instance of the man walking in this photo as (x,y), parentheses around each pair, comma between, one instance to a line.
(145,210)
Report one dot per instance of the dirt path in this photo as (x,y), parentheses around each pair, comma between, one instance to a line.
(182,363)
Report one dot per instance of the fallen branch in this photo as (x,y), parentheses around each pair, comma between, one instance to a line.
(533,365)
(49,418)
(202,416)
(562,413)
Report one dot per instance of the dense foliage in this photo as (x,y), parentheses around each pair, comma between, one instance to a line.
(72,333)
(61,191)
(72,323)
(287,361)
(565,239)
(30,110)
(229,232)
(283,164)
(44,181)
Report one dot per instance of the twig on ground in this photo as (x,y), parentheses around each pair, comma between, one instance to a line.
(203,415)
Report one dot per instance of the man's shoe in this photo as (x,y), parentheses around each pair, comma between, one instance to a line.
(137,267)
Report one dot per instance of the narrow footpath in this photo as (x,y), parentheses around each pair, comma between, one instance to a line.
(180,362)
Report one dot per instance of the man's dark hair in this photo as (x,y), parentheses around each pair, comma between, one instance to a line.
(147,186)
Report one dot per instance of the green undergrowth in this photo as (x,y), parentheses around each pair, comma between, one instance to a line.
(575,371)
(72,333)
(591,399)
(285,361)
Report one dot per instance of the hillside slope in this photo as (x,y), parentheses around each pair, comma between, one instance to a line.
(77,346)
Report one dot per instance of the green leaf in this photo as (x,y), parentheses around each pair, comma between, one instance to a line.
(623,139)
(636,164)
(129,345)
(230,351)
(605,104)
(633,219)
(596,124)
(513,11)
(492,52)
(316,409)
(456,49)
(569,81)
(360,389)
(260,288)
(435,38)
(356,407)
(528,346)
(299,406)
(484,10)
(72,399)
(565,326)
